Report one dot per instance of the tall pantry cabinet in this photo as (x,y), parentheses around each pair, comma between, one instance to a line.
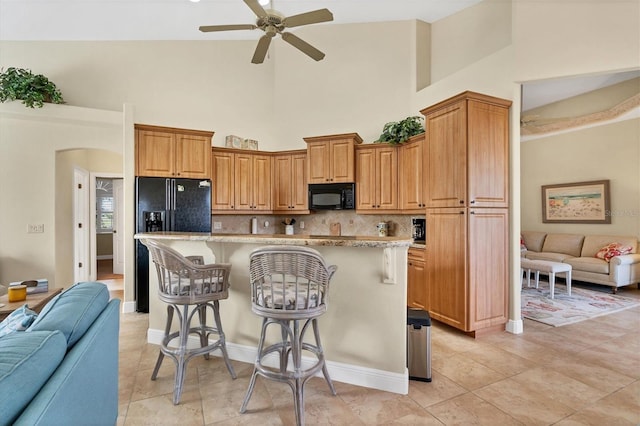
(466,159)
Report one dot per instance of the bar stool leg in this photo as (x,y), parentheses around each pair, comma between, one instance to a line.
(202,314)
(167,330)
(252,382)
(221,338)
(325,371)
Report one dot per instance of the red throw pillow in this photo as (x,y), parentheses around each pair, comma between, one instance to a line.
(611,250)
(522,246)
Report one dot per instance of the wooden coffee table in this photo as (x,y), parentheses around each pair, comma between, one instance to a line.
(35,302)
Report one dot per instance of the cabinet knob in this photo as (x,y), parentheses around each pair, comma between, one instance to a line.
(472,202)
(461,201)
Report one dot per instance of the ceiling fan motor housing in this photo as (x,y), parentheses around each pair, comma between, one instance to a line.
(273,19)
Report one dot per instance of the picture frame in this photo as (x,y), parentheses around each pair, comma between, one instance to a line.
(579,202)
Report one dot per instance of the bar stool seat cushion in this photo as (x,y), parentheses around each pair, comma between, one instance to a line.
(293,297)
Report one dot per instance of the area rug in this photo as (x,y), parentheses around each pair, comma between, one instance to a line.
(582,305)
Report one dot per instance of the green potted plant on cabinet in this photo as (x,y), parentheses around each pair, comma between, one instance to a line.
(32,89)
(396,132)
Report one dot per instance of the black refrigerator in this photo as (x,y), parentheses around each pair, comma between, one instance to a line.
(181,205)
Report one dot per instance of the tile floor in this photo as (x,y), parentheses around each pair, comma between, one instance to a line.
(582,374)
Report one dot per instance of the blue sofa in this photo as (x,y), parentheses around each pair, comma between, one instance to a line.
(63,370)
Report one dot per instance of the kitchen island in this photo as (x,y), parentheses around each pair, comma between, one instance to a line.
(364,329)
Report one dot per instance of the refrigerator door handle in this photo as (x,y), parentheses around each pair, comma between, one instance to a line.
(169,204)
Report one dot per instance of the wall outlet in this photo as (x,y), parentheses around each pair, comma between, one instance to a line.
(302,224)
(217,225)
(35,228)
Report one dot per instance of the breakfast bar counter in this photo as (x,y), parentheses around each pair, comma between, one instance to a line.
(364,329)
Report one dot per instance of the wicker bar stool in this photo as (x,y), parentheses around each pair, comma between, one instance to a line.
(289,288)
(189,288)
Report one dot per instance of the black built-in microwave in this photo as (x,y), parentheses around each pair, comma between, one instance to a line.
(332,196)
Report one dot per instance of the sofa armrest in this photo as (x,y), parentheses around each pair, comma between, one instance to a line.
(625,259)
(84,388)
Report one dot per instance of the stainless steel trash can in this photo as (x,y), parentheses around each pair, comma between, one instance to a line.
(419,345)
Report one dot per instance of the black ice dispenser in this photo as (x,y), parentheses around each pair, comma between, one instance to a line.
(153,221)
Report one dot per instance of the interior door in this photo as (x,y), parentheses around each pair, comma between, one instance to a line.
(118,226)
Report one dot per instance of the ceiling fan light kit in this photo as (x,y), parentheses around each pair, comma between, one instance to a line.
(273,23)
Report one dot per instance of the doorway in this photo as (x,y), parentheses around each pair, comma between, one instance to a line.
(108,230)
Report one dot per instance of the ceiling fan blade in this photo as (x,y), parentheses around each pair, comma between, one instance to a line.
(321,15)
(255,6)
(210,28)
(262,48)
(303,46)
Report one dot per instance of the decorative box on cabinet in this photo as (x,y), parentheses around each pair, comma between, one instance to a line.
(290,192)
(376,178)
(171,152)
(417,292)
(331,158)
(411,175)
(467,152)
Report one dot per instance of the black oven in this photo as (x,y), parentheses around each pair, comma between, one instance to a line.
(332,196)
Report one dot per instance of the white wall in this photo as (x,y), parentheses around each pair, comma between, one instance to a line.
(605,152)
(29,143)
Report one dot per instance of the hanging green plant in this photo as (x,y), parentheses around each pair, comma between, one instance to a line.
(397,132)
(32,89)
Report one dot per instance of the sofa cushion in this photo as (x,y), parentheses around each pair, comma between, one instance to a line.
(533,240)
(570,244)
(18,320)
(593,243)
(27,360)
(73,310)
(551,257)
(589,264)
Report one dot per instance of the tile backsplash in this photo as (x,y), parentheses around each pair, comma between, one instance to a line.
(318,223)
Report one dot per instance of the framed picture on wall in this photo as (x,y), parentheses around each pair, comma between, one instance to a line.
(580,202)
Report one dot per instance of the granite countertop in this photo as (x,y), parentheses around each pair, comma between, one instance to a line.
(299,239)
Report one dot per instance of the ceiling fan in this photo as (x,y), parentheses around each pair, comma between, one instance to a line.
(273,22)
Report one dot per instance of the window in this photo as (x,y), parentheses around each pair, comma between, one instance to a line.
(105,205)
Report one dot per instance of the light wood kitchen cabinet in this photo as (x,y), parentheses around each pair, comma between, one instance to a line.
(466,159)
(222,175)
(376,178)
(252,182)
(417,292)
(171,152)
(466,155)
(468,267)
(290,193)
(241,181)
(411,175)
(331,158)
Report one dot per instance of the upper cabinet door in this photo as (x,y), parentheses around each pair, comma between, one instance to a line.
(222,197)
(445,156)
(318,153)
(488,153)
(411,176)
(341,161)
(155,153)
(193,156)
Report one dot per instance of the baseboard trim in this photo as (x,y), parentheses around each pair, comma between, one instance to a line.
(340,372)
(128,307)
(515,327)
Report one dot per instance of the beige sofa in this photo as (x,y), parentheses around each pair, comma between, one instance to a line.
(579,251)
